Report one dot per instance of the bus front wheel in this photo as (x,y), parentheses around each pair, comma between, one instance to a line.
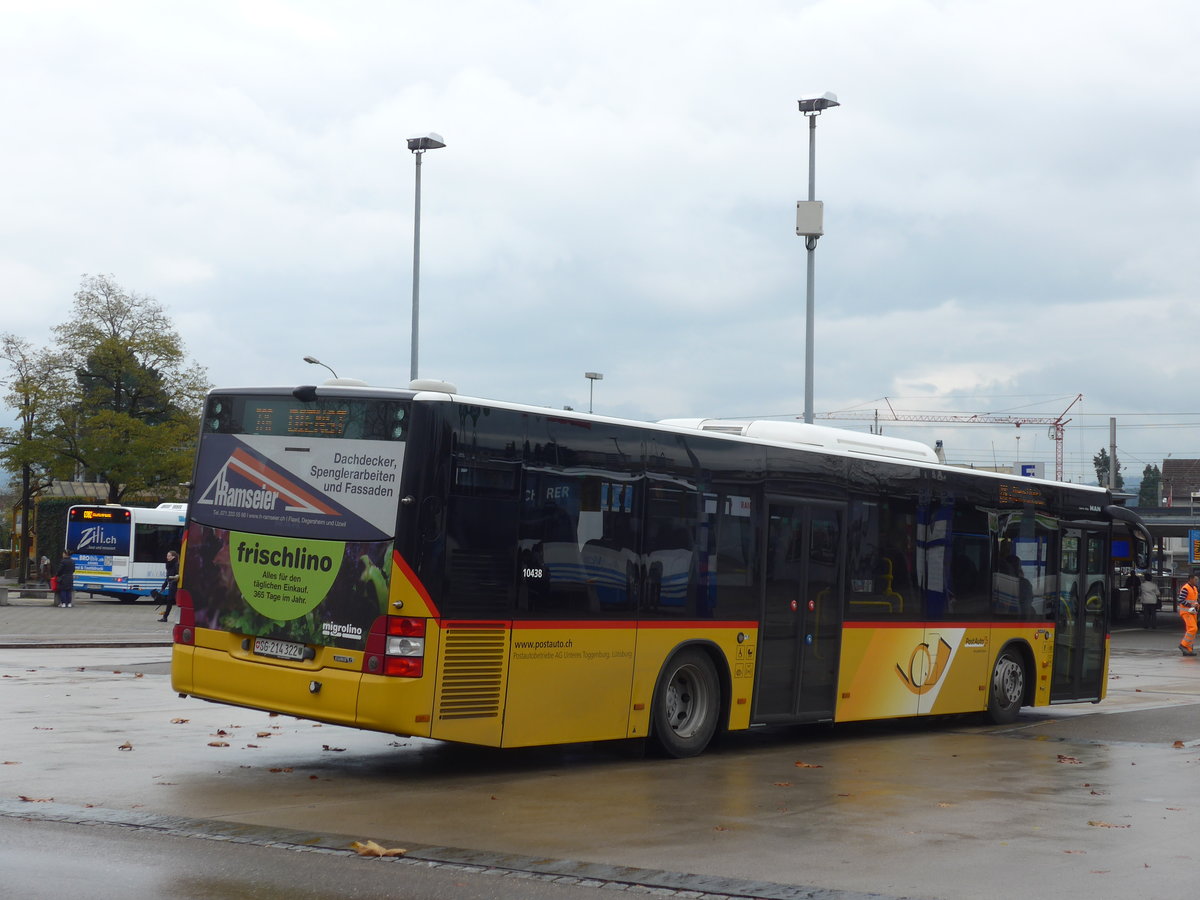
(1007,691)
(687,704)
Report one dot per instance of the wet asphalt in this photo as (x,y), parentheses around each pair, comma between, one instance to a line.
(1078,801)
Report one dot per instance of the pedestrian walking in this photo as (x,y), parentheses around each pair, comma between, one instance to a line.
(172,582)
(64,584)
(1187,601)
(44,570)
(1148,595)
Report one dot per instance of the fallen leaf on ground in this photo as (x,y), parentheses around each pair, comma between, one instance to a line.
(944,805)
(1096,823)
(1069,759)
(804,765)
(333,749)
(262,734)
(126,746)
(370,848)
(11,762)
(288,769)
(1178,745)
(782,783)
(218,743)
(180,721)
(36,799)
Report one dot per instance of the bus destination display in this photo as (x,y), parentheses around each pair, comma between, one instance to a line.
(300,420)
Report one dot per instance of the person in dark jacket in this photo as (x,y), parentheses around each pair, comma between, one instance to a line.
(65,585)
(172,582)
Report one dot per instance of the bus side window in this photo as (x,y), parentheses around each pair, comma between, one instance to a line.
(970,582)
(882,563)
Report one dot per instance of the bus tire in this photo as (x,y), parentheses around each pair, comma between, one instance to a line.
(1007,691)
(687,704)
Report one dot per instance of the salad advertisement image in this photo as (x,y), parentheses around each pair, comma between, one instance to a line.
(307,591)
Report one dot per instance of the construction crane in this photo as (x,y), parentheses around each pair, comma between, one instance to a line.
(1056,424)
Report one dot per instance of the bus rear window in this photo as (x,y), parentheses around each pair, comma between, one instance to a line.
(324,417)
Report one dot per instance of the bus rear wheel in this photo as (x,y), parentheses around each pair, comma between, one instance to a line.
(1007,691)
(687,704)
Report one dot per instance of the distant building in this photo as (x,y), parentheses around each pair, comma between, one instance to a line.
(1181,483)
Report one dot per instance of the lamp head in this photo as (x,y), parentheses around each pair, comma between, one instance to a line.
(813,104)
(431,141)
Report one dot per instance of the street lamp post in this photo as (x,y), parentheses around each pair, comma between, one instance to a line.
(312,360)
(810,226)
(418,146)
(592,378)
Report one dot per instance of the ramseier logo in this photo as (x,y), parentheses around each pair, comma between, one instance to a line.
(266,488)
(223,494)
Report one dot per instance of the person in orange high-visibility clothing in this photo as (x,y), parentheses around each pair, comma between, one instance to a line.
(1188,601)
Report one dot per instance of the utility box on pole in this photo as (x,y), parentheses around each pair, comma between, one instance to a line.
(810,218)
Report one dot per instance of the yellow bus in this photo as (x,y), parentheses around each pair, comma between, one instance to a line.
(421,563)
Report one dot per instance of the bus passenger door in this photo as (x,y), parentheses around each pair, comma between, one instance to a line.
(1081,615)
(801,617)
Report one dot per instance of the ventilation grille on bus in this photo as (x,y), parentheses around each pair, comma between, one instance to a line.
(472,671)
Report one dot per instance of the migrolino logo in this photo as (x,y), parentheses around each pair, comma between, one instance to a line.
(265,488)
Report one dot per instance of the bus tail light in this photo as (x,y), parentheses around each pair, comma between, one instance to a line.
(396,647)
(185,631)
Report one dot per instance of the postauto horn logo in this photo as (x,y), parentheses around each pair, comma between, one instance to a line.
(925,669)
(266,488)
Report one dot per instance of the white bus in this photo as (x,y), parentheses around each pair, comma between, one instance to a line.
(121,551)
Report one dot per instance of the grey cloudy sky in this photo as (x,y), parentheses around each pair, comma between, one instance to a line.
(1011,201)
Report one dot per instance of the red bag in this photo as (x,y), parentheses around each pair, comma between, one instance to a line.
(54,582)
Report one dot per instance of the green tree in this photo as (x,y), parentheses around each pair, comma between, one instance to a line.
(24,448)
(1101,462)
(133,421)
(1150,492)
(114,401)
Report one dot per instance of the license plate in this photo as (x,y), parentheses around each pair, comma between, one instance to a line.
(279,649)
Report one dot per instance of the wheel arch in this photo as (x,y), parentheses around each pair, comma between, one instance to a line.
(720,664)
(1024,652)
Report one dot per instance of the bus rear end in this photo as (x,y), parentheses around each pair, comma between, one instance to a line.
(99,539)
(292,597)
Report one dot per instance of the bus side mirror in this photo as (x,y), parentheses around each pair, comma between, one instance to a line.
(1141,553)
